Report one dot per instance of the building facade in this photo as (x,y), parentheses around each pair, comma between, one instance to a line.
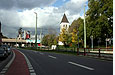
(0,35)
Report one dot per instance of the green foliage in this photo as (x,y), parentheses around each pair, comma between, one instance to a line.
(49,39)
(75,24)
(99,19)
(44,40)
(75,28)
(56,40)
(81,28)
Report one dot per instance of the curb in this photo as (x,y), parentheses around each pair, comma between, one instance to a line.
(31,70)
(8,65)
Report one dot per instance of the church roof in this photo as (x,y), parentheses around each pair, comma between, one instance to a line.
(64,19)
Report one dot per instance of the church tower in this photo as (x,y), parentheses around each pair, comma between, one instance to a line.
(64,23)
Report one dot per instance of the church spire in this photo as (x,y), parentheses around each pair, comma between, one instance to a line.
(64,19)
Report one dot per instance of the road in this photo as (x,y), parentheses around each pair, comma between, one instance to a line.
(5,61)
(45,63)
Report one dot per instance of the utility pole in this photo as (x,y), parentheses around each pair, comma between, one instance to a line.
(84,29)
(36,32)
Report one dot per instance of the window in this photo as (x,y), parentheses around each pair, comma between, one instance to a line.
(66,25)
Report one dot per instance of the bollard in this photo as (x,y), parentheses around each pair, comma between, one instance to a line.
(84,52)
(77,51)
(99,53)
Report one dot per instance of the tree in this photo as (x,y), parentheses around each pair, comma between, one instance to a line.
(76,24)
(63,37)
(44,40)
(51,39)
(56,40)
(99,19)
(77,27)
(74,37)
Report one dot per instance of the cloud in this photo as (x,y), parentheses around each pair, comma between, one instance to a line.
(24,4)
(9,31)
(45,17)
(48,16)
(9,18)
(72,7)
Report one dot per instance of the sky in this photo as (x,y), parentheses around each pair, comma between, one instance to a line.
(20,13)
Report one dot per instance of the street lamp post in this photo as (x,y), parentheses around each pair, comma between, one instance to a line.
(84,29)
(36,32)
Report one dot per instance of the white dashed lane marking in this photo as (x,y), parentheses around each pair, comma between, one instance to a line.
(80,65)
(51,56)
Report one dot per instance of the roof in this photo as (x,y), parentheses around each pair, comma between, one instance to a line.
(64,19)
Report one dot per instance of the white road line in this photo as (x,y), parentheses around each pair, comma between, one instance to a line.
(80,65)
(31,70)
(51,56)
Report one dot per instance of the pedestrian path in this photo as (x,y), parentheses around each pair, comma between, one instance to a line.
(18,66)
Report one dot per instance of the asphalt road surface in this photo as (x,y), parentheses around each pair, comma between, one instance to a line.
(4,61)
(45,63)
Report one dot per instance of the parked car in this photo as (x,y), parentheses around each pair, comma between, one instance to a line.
(5,47)
(9,49)
(3,53)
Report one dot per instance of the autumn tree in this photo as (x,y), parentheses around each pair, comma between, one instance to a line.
(74,37)
(76,29)
(64,36)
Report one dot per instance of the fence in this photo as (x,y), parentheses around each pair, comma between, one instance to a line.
(95,52)
(98,52)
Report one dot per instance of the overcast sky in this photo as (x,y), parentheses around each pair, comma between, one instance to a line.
(20,13)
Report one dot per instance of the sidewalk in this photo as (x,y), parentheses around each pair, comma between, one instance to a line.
(18,66)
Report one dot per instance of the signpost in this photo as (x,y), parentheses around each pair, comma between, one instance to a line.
(91,41)
(36,32)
